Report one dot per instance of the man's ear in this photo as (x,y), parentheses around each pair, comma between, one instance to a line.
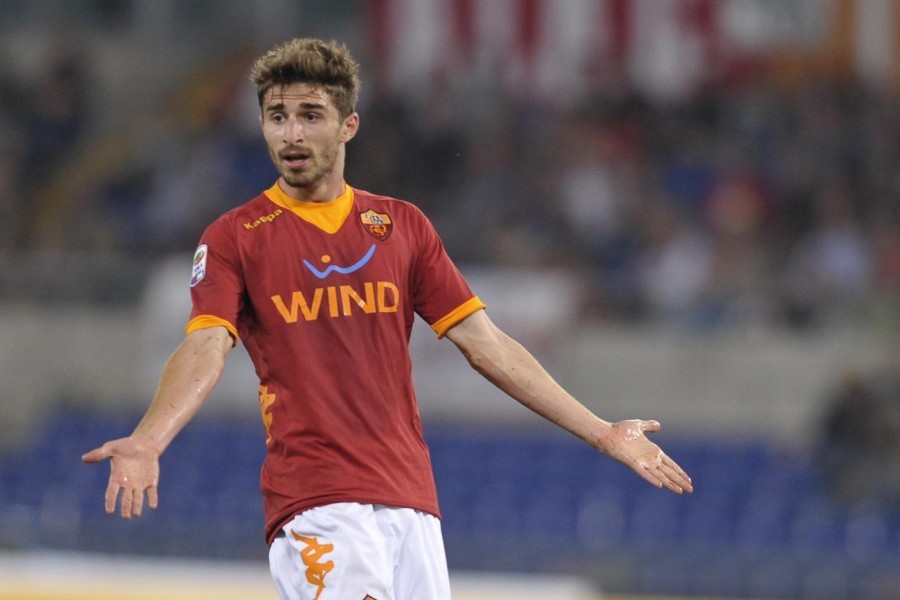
(351,126)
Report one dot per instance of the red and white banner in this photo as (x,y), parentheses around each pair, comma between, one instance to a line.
(665,48)
(546,47)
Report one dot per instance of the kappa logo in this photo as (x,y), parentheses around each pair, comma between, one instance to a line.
(311,555)
(379,225)
(264,219)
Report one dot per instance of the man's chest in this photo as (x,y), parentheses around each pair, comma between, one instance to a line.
(297,273)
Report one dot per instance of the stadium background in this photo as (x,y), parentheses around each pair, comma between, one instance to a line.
(688,209)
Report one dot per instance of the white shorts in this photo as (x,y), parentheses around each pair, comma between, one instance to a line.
(348,551)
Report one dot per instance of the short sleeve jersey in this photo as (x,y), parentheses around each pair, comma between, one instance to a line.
(324,302)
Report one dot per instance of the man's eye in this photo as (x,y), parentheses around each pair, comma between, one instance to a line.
(277,118)
(312,117)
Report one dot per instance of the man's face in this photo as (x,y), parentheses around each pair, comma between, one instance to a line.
(305,134)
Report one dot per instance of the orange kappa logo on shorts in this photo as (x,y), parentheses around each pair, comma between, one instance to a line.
(315,570)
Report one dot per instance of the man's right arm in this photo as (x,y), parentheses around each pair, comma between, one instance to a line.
(187,379)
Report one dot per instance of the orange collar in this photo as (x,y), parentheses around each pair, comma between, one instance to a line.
(327,216)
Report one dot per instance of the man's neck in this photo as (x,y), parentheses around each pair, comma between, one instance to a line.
(324,191)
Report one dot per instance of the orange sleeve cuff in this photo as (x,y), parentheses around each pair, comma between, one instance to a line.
(206,321)
(459,313)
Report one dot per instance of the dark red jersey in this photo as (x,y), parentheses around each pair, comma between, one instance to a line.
(323,296)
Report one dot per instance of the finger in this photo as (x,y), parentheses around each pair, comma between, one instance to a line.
(112,492)
(651,426)
(127,501)
(685,483)
(152,497)
(679,475)
(137,503)
(644,471)
(659,474)
(670,479)
(96,455)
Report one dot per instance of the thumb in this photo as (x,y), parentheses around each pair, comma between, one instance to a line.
(651,426)
(96,455)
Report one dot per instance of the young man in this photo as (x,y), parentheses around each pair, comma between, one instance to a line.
(322,282)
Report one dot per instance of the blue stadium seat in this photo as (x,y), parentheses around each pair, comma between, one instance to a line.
(497,511)
(761,521)
(867,537)
(601,519)
(549,512)
(654,518)
(709,516)
(759,524)
(828,580)
(815,528)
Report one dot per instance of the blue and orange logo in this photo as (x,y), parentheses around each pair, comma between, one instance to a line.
(378,225)
(338,269)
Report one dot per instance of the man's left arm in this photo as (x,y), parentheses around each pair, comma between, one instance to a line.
(509,366)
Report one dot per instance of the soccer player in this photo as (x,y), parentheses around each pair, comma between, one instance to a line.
(321,281)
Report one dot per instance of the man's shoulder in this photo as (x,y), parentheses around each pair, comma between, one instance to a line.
(380,203)
(250,214)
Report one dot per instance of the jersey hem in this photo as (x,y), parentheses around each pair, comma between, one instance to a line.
(207,321)
(280,522)
(442,325)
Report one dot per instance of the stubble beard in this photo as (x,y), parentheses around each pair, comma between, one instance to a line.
(318,168)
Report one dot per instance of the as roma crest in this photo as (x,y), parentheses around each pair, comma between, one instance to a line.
(378,224)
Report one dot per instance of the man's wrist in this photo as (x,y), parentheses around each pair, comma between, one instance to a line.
(147,443)
(602,434)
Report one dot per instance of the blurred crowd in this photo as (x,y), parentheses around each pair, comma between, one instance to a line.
(42,120)
(756,202)
(860,439)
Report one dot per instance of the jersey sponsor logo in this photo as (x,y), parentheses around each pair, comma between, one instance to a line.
(339,301)
(337,269)
(377,224)
(311,556)
(198,271)
(264,219)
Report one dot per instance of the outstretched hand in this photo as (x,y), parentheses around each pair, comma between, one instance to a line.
(629,444)
(134,470)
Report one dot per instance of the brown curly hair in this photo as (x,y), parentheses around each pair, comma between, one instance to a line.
(307,60)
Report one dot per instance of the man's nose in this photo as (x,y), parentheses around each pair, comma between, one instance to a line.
(293,131)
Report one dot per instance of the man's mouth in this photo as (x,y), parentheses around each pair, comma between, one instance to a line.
(295,159)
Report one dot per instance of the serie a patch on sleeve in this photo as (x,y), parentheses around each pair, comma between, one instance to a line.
(198,271)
